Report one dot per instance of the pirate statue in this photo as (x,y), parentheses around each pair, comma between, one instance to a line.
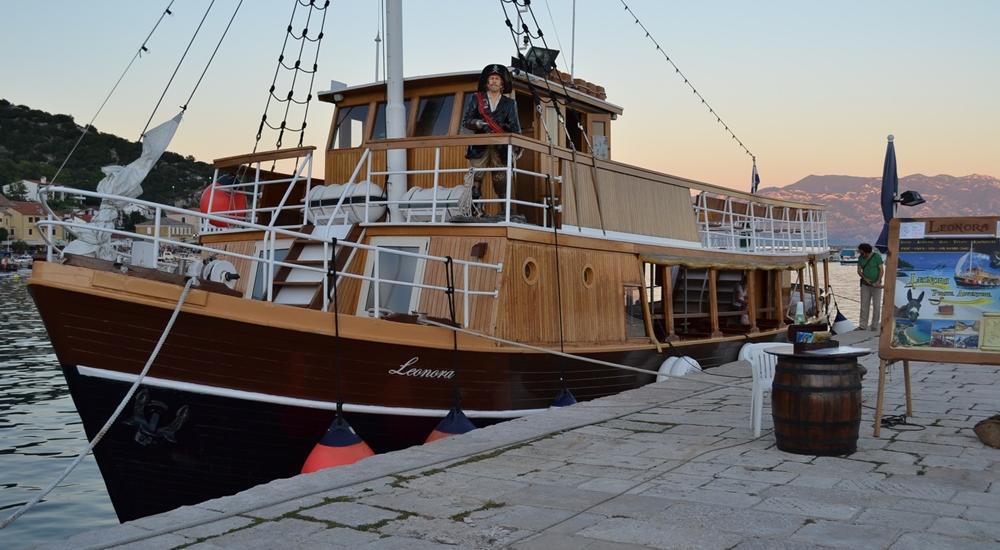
(490,111)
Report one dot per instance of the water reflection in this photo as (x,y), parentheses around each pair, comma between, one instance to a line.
(40,432)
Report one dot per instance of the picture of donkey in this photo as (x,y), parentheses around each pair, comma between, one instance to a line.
(911,310)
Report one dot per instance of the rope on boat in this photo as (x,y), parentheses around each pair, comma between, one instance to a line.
(426,321)
(114,416)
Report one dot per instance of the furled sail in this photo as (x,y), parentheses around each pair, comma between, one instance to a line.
(125,181)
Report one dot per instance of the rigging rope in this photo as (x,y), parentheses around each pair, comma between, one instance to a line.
(336,330)
(456,395)
(687,81)
(114,416)
(138,54)
(296,68)
(179,62)
(212,57)
(581,358)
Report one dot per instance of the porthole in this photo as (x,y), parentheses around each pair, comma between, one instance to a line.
(530,271)
(588,276)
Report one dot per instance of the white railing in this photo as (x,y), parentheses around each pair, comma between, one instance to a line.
(735,223)
(254,190)
(439,208)
(269,262)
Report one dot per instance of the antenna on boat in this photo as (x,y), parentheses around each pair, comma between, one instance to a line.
(378,36)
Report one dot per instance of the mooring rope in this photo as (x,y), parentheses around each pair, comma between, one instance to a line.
(427,321)
(114,416)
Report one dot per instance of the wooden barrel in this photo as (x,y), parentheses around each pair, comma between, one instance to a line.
(816,405)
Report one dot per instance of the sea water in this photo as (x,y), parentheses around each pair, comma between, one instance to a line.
(40,432)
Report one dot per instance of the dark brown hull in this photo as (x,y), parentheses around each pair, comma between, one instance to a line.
(259,397)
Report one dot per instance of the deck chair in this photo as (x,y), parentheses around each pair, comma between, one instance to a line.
(762,367)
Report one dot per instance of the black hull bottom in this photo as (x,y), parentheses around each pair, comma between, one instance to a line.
(223,446)
(174,447)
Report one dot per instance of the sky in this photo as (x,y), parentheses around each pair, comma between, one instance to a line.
(809,87)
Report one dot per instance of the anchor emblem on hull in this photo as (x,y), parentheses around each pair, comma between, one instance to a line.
(149,415)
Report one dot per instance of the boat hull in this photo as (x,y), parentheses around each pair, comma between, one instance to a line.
(232,402)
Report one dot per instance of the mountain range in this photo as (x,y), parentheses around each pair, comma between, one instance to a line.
(854,214)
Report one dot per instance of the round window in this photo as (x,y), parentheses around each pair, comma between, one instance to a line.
(588,276)
(530,271)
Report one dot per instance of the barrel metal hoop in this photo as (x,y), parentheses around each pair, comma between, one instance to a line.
(800,389)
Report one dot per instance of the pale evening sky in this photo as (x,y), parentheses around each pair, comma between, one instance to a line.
(810,87)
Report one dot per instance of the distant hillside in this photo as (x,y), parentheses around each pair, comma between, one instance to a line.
(853,211)
(34,143)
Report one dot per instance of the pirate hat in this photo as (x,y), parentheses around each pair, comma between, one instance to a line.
(497,69)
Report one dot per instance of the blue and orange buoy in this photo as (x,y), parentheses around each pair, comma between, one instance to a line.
(455,423)
(564,398)
(340,446)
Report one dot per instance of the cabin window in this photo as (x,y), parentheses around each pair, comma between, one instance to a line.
(434,115)
(350,129)
(635,326)
(573,121)
(379,129)
(599,140)
(392,270)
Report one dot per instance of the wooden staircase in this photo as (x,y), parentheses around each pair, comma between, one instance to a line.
(304,287)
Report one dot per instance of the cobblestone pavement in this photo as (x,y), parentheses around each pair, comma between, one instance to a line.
(670,465)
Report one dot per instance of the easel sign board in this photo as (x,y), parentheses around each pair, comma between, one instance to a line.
(942,291)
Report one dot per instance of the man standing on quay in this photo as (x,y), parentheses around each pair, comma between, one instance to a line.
(870,269)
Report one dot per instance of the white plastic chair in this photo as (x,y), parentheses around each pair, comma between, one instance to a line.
(762,367)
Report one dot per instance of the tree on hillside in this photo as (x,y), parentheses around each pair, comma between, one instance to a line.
(3,234)
(131,220)
(17,191)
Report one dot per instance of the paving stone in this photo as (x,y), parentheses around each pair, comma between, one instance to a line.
(897,519)
(278,510)
(924,448)
(925,541)
(556,541)
(743,486)
(844,535)
(885,457)
(161,542)
(704,496)
(607,485)
(760,543)
(563,498)
(807,508)
(900,487)
(518,516)
(340,537)
(747,522)
(216,528)
(285,533)
(407,543)
(426,504)
(974,498)
(930,507)
(749,474)
(351,514)
(956,462)
(983,530)
(659,535)
(632,506)
(454,533)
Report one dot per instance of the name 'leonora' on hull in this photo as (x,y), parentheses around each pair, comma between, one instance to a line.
(391,290)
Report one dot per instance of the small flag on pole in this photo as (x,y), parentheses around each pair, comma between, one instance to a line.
(754,178)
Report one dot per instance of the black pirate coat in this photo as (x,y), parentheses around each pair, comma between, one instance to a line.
(504,119)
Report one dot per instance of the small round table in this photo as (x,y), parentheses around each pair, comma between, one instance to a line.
(816,399)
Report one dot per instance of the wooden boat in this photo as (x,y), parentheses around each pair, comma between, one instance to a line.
(969,274)
(588,256)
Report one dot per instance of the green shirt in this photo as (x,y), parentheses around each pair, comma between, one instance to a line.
(870,266)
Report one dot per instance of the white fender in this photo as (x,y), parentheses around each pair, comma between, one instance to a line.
(664,371)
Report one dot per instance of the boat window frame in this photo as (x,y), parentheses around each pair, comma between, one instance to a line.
(422,244)
(365,129)
(447,115)
(258,265)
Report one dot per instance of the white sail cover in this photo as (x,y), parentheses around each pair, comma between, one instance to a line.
(125,181)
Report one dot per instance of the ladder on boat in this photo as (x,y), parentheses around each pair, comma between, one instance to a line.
(304,287)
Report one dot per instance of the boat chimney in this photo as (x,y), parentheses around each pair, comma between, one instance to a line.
(395,112)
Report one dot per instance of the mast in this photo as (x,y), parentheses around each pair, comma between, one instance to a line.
(395,111)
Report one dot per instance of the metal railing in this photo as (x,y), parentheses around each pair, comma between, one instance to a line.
(439,209)
(269,262)
(254,190)
(728,223)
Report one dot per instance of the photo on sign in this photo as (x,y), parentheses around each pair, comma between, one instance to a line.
(943,288)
